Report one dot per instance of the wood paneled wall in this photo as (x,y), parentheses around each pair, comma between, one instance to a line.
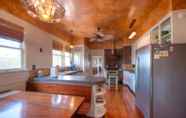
(178,4)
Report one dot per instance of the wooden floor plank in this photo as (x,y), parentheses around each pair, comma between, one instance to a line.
(120,104)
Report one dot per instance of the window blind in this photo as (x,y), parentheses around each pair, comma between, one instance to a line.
(11,31)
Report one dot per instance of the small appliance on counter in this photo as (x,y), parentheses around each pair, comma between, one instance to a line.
(40,73)
(53,72)
(128,67)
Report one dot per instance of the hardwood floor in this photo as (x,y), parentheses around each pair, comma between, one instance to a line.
(121,104)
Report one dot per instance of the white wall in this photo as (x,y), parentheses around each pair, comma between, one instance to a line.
(13,80)
(34,39)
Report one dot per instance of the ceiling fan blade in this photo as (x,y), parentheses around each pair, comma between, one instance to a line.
(108,37)
(100,34)
(100,40)
(93,39)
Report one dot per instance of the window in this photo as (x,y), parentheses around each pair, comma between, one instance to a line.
(67,59)
(61,59)
(10,54)
(76,59)
(57,58)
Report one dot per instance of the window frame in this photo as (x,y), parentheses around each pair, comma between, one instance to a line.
(74,59)
(22,55)
(70,58)
(54,54)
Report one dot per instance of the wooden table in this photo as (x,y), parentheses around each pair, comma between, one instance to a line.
(39,105)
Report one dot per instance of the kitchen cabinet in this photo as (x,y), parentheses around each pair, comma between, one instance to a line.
(127,53)
(162,33)
(129,80)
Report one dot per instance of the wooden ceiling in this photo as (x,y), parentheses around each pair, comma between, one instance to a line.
(82,17)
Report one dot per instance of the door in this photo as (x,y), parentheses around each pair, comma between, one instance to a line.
(97,65)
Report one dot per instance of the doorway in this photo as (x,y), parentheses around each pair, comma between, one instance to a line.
(97,65)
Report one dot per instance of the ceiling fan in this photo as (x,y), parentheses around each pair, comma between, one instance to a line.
(99,36)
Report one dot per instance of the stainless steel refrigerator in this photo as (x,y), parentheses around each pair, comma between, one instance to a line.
(161,81)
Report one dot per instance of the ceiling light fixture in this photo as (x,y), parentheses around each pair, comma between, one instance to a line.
(132,35)
(49,11)
(71,46)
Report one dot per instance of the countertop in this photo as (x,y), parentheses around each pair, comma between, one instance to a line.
(129,67)
(129,70)
(70,72)
(71,79)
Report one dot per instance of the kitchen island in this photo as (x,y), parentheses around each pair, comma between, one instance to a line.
(76,85)
(79,85)
(83,80)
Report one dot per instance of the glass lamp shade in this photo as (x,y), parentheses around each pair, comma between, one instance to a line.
(46,10)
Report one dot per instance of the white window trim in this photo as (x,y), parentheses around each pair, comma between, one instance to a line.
(22,60)
(58,55)
(70,58)
(12,70)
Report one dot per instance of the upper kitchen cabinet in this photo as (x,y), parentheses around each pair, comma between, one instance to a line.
(154,35)
(162,32)
(127,53)
(170,29)
(165,31)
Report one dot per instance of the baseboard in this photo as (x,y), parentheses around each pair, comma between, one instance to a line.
(130,89)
